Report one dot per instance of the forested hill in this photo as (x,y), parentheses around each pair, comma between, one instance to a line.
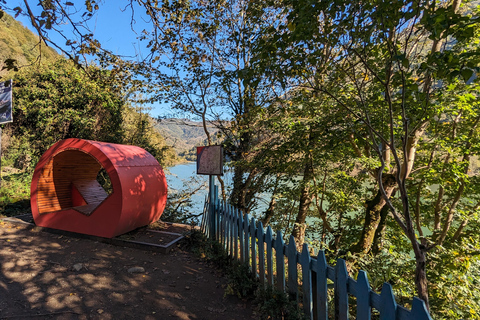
(184,135)
(20,44)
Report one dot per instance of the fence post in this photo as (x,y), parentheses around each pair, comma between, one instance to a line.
(212,204)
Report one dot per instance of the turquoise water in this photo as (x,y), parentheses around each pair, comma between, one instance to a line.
(183,177)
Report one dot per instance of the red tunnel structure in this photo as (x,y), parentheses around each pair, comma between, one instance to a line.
(66,195)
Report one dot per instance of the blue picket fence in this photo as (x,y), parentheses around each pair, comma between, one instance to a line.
(246,240)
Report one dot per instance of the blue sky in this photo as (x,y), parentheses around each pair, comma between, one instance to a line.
(112,27)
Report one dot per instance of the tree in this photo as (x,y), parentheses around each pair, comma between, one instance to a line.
(198,53)
(386,66)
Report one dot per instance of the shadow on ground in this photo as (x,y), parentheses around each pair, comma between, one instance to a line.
(47,276)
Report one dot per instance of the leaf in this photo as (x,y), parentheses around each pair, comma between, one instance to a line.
(466,74)
(17,10)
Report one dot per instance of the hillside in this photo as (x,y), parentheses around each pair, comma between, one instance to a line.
(183,135)
(19,43)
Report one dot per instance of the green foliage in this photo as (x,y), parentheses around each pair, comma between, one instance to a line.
(14,192)
(274,304)
(454,272)
(59,102)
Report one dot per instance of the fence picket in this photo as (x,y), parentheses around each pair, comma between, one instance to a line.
(246,238)
(217,216)
(363,297)
(306,282)
(388,307)
(292,268)
(253,241)
(232,232)
(341,290)
(419,310)
(224,226)
(322,293)
(239,236)
(280,261)
(261,254)
(269,241)
(235,234)
(227,229)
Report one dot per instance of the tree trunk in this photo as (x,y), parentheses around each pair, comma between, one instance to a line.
(373,215)
(306,198)
(270,212)
(380,232)
(420,272)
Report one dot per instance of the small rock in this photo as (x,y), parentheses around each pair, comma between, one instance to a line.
(187,288)
(99,311)
(78,266)
(136,270)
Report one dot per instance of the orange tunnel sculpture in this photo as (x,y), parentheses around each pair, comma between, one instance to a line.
(66,195)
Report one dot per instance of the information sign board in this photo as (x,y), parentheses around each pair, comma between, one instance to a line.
(210,160)
(6,102)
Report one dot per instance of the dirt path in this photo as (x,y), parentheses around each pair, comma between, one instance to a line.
(48,276)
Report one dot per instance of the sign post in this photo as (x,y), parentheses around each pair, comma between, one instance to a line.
(5,112)
(210,162)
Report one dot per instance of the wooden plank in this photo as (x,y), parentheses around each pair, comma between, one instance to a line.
(306,282)
(221,213)
(292,269)
(280,261)
(241,237)
(87,209)
(246,238)
(388,306)
(341,290)
(269,242)
(235,235)
(363,297)
(90,190)
(232,231)
(253,244)
(419,310)
(227,228)
(261,254)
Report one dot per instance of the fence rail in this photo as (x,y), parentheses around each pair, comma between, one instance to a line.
(246,240)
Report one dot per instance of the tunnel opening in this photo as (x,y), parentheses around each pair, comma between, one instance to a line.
(70,181)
